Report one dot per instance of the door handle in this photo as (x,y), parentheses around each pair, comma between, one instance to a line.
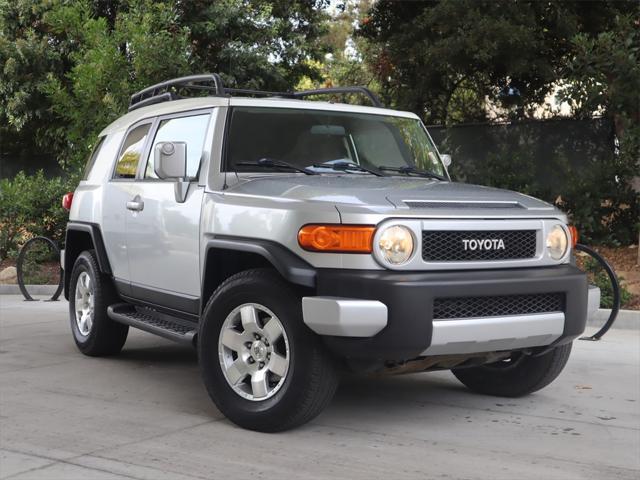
(136,204)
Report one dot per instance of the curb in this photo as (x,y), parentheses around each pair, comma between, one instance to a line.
(32,289)
(626,320)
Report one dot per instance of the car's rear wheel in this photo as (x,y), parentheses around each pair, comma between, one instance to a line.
(90,294)
(517,375)
(263,368)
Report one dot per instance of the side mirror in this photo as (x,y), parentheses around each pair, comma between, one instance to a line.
(446,159)
(170,163)
(170,160)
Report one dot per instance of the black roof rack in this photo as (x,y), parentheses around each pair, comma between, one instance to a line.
(213,85)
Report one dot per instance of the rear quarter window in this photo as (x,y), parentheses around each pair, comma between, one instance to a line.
(131,151)
(92,158)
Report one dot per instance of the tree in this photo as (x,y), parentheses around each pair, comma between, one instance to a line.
(447,59)
(69,67)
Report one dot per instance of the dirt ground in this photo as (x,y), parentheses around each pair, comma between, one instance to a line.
(47,274)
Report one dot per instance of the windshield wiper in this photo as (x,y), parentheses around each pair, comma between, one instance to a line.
(273,163)
(345,166)
(408,170)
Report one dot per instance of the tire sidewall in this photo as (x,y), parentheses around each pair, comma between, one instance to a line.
(82,265)
(287,307)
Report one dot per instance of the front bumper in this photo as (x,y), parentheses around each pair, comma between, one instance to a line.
(411,331)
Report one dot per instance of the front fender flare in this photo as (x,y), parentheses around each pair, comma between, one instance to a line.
(293,268)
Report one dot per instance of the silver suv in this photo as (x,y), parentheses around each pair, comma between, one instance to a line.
(289,240)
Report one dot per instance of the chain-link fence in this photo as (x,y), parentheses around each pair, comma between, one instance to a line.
(573,163)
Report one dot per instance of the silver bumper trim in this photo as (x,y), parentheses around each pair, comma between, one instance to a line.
(344,317)
(487,334)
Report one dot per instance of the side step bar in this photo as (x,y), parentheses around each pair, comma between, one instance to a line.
(166,326)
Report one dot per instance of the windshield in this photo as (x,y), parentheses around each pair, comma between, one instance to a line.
(309,138)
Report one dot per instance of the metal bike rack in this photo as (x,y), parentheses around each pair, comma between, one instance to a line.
(616,291)
(20,263)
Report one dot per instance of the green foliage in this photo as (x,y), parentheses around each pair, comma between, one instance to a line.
(69,67)
(603,72)
(37,262)
(31,206)
(443,59)
(599,278)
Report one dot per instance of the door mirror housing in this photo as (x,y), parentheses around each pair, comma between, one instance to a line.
(446,159)
(170,160)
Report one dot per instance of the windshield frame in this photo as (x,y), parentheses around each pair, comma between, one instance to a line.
(225,167)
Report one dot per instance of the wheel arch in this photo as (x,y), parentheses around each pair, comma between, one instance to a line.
(80,237)
(226,256)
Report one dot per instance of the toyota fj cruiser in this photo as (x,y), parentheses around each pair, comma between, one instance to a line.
(290,239)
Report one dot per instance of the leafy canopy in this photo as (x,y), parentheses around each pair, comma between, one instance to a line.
(68,67)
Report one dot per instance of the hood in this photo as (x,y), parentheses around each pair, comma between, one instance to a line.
(394,193)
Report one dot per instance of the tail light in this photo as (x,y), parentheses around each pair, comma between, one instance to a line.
(67,198)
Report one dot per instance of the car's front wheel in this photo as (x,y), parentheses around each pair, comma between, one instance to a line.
(517,375)
(263,368)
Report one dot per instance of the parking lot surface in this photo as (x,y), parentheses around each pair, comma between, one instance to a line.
(145,415)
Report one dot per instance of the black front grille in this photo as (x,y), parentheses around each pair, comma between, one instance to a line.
(468,245)
(468,307)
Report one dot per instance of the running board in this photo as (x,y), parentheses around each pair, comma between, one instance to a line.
(160,324)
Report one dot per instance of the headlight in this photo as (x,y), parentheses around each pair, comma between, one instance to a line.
(557,242)
(395,244)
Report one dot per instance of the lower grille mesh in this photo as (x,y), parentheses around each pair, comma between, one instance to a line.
(468,307)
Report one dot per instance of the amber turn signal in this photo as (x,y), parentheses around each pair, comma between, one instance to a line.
(336,238)
(574,235)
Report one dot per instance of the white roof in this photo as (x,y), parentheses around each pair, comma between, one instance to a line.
(174,106)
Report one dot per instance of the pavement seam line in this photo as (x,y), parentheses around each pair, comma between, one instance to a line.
(63,462)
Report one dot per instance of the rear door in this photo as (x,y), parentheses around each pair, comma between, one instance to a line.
(163,235)
(118,190)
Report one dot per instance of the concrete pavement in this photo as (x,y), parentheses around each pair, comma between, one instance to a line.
(146,415)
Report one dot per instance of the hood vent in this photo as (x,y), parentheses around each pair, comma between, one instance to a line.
(461,205)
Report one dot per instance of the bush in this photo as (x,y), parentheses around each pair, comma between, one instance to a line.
(30,206)
(599,278)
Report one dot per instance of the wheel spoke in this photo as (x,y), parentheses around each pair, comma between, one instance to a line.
(237,371)
(272,330)
(81,289)
(259,384)
(278,364)
(232,340)
(88,322)
(249,317)
(83,323)
(87,283)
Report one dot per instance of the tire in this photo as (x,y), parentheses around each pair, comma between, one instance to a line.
(285,400)
(98,335)
(518,377)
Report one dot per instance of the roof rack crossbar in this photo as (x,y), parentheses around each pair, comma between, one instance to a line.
(212,82)
(163,97)
(259,93)
(333,90)
(159,90)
